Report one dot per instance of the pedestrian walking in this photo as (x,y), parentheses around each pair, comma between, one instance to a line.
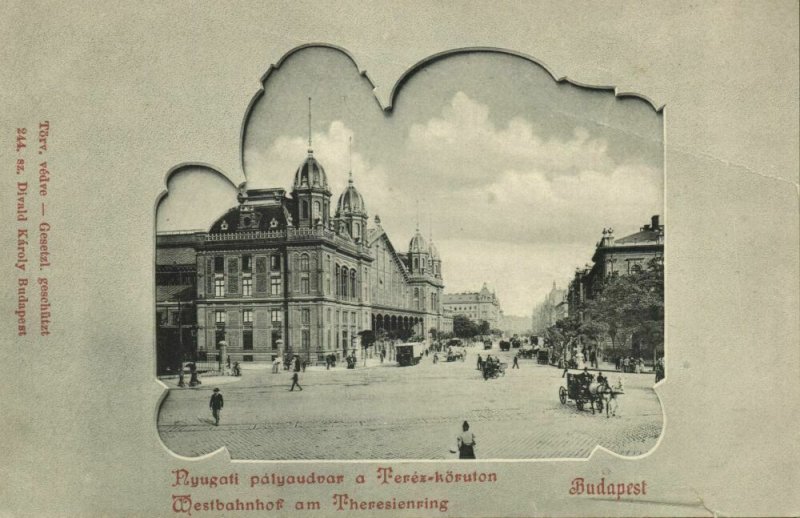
(181,381)
(195,378)
(516,362)
(295,382)
(304,365)
(215,403)
(480,363)
(466,443)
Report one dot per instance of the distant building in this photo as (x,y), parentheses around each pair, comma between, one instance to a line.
(550,310)
(514,325)
(476,305)
(616,257)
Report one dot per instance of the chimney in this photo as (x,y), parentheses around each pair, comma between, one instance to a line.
(654,223)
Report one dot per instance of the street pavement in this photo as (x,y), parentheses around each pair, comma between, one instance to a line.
(388,412)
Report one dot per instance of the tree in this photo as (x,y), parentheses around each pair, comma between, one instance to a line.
(367,338)
(631,306)
(463,327)
(484,328)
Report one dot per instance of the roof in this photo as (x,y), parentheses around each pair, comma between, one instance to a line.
(178,255)
(184,292)
(248,217)
(418,244)
(351,201)
(642,237)
(310,174)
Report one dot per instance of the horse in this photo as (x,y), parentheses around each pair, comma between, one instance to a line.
(600,393)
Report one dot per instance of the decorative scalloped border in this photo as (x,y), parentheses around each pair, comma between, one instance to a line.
(395,91)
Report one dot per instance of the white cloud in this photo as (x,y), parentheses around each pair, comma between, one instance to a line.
(276,166)
(464,145)
(510,183)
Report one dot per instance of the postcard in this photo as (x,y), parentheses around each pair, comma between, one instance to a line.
(415,260)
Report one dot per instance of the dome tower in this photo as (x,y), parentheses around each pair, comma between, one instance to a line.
(418,254)
(310,189)
(352,211)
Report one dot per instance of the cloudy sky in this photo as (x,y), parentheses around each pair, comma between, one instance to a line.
(515,175)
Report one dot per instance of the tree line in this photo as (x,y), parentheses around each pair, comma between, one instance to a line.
(626,309)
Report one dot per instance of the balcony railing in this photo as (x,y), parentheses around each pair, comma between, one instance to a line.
(289,233)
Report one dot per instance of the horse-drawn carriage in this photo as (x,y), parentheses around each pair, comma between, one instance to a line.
(543,356)
(527,351)
(582,389)
(505,345)
(494,369)
(456,353)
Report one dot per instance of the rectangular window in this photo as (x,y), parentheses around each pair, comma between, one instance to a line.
(306,339)
(276,337)
(306,314)
(219,264)
(275,286)
(304,285)
(276,316)
(219,287)
(247,339)
(247,286)
(219,317)
(275,263)
(247,263)
(247,316)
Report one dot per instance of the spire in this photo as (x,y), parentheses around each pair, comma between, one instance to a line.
(350,151)
(310,150)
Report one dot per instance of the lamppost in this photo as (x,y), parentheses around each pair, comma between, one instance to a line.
(180,331)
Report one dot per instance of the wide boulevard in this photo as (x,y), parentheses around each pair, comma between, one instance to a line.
(383,411)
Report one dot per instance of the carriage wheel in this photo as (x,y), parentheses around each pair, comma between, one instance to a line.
(562,395)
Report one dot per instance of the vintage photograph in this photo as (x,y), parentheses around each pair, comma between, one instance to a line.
(473,272)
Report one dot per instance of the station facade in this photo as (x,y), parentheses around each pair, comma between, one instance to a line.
(277,274)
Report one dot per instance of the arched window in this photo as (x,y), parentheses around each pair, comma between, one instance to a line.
(416,298)
(344,282)
(416,263)
(304,263)
(338,292)
(353,292)
(303,209)
(356,230)
(317,210)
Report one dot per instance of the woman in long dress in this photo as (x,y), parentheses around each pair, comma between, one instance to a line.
(466,443)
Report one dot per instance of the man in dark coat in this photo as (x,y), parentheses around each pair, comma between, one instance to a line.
(216,405)
(295,382)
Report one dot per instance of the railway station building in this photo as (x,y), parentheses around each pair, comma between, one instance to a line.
(292,273)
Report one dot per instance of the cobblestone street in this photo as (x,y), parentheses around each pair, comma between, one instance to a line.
(389,412)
